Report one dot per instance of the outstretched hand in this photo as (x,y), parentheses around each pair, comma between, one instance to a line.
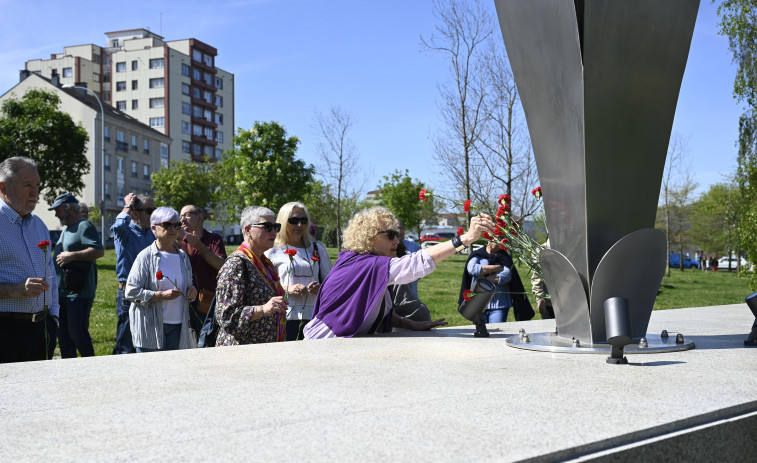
(424,326)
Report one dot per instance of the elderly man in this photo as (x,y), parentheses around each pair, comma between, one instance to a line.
(77,249)
(131,234)
(27,282)
(207,254)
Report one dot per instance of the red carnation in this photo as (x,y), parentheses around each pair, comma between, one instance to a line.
(504,199)
(315,259)
(503,241)
(487,235)
(513,232)
(291,252)
(466,205)
(422,195)
(43,245)
(468,294)
(537,192)
(159,275)
(460,231)
(503,247)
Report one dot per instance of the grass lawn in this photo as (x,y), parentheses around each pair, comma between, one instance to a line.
(691,288)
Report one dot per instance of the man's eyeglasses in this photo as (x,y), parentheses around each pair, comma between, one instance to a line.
(149,210)
(269,227)
(298,220)
(391,234)
(170,226)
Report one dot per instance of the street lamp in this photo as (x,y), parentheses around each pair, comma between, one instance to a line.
(102,158)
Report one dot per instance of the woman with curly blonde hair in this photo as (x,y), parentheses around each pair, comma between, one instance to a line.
(354,298)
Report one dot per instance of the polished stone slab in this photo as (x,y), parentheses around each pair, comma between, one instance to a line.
(406,396)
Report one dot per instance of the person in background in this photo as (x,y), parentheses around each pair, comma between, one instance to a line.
(302,274)
(131,234)
(27,281)
(84,211)
(250,303)
(160,289)
(405,297)
(77,250)
(207,254)
(354,299)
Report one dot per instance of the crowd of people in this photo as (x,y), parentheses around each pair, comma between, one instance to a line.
(173,275)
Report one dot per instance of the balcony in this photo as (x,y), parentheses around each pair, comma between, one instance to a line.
(203,66)
(202,102)
(203,141)
(203,84)
(122,146)
(203,121)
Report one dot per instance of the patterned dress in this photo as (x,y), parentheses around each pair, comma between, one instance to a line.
(240,287)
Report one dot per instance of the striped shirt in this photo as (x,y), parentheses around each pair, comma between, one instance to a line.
(146,318)
(20,258)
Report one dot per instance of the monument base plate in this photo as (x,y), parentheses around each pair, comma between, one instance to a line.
(551,342)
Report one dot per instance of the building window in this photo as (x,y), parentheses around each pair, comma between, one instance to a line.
(197,93)
(120,191)
(219,136)
(134,142)
(208,115)
(106,163)
(121,86)
(209,151)
(185,90)
(157,83)
(157,102)
(134,84)
(121,105)
(208,60)
(196,55)
(196,74)
(208,133)
(134,172)
(114,44)
(157,121)
(96,77)
(147,147)
(219,101)
(68,72)
(121,144)
(120,167)
(134,104)
(107,191)
(197,111)
(208,78)
(197,149)
(219,119)
(156,63)
(186,108)
(134,65)
(185,70)
(219,153)
(107,133)
(186,147)
(146,171)
(164,155)
(197,130)
(219,83)
(121,67)
(96,59)
(208,96)
(186,127)
(106,78)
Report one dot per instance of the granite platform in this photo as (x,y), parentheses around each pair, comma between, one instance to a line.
(407,396)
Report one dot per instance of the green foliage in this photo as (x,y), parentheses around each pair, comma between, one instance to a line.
(35,128)
(399,194)
(185,183)
(713,219)
(321,204)
(262,169)
(739,24)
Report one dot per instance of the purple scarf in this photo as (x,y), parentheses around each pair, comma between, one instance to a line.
(352,288)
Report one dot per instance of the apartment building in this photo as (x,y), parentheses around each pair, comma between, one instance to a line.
(133,150)
(172,86)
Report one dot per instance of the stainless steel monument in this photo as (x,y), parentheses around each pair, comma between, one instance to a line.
(599,82)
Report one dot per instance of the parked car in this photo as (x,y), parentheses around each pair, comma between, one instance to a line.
(441,236)
(675,261)
(725,263)
(411,237)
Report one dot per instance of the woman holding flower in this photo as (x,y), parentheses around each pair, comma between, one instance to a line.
(250,303)
(302,264)
(354,299)
(160,288)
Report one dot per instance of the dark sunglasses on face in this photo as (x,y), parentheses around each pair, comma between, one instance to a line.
(298,220)
(391,234)
(269,227)
(170,226)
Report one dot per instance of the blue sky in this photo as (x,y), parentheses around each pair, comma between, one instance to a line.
(291,57)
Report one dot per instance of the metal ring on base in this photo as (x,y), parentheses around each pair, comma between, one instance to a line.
(550,342)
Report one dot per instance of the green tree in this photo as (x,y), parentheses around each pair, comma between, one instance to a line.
(34,127)
(185,183)
(713,219)
(262,169)
(739,24)
(399,194)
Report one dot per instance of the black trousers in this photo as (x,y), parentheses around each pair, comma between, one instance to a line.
(24,341)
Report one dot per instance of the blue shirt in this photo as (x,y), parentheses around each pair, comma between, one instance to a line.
(20,258)
(411,247)
(502,298)
(129,240)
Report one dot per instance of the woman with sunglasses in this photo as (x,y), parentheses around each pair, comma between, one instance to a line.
(250,303)
(301,274)
(354,299)
(160,288)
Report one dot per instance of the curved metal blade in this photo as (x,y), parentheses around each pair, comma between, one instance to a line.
(569,295)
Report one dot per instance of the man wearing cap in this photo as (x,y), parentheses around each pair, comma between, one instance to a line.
(27,282)
(131,234)
(77,249)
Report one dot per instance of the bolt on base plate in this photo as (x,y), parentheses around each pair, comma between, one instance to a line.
(550,342)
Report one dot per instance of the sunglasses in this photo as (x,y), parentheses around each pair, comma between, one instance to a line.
(170,226)
(391,234)
(149,210)
(269,227)
(298,220)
